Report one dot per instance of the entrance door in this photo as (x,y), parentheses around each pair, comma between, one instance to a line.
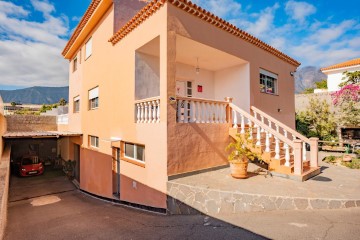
(116,172)
(77,161)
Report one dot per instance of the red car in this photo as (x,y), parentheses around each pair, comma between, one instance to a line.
(30,166)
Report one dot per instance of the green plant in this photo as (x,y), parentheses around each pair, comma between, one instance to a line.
(350,78)
(317,120)
(240,149)
(354,164)
(330,159)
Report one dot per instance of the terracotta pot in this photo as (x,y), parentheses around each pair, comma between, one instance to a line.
(239,169)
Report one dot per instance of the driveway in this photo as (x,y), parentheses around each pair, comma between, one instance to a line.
(50,207)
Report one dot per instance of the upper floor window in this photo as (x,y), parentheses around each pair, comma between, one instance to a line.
(76,104)
(268,82)
(75,64)
(94,98)
(94,141)
(88,48)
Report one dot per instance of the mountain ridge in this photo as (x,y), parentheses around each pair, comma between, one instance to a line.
(35,95)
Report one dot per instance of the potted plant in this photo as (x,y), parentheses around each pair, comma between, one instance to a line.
(239,156)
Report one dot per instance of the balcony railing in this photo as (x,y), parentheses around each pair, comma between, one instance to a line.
(147,110)
(198,110)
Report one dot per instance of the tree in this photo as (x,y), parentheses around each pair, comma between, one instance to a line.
(62,102)
(350,78)
(13,104)
(317,120)
(322,84)
(347,102)
(308,91)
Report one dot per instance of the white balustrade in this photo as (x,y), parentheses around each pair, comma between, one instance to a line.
(287,155)
(258,136)
(267,142)
(277,148)
(250,129)
(235,119)
(262,120)
(242,124)
(147,110)
(304,151)
(197,110)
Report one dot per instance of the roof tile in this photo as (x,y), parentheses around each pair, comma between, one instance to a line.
(349,63)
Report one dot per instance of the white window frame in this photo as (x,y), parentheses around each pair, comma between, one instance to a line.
(75,102)
(135,158)
(75,64)
(265,77)
(88,48)
(94,98)
(96,141)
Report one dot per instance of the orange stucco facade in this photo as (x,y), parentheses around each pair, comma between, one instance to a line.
(153,52)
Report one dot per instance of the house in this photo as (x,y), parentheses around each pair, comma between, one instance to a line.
(158,89)
(335,72)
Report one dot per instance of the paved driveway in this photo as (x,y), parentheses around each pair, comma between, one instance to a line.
(50,207)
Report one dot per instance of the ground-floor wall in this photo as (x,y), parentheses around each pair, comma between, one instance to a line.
(196,146)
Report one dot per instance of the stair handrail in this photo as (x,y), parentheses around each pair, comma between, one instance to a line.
(263,125)
(282,125)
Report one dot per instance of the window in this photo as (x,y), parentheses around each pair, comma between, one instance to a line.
(94,141)
(189,89)
(268,82)
(88,48)
(134,151)
(76,104)
(94,98)
(75,64)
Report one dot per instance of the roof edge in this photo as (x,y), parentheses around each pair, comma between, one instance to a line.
(203,14)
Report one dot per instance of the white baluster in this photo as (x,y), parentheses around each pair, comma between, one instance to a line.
(210,113)
(277,128)
(154,111)
(198,112)
(146,112)
(262,120)
(192,111)
(222,113)
(250,129)
(270,126)
(277,148)
(287,155)
(138,115)
(258,136)
(267,142)
(304,151)
(242,124)
(203,111)
(216,112)
(142,112)
(150,112)
(179,115)
(158,110)
(255,115)
(235,119)
(186,112)
(285,133)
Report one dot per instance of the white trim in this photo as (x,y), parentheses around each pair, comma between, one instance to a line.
(94,93)
(88,48)
(267,73)
(77,98)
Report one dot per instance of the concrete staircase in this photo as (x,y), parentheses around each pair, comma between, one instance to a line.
(282,148)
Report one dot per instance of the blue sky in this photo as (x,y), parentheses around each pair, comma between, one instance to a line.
(34,32)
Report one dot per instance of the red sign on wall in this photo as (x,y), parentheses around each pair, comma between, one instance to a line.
(200,88)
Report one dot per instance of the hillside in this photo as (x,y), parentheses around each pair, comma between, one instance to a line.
(306,77)
(35,95)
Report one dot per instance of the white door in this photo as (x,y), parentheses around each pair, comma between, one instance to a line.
(181,89)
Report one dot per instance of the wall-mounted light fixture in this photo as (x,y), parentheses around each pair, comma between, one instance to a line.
(292,73)
(197,69)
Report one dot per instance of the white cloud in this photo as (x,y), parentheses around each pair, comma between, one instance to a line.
(332,32)
(31,50)
(43,6)
(299,10)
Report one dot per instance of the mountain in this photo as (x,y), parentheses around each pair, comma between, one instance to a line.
(35,95)
(306,77)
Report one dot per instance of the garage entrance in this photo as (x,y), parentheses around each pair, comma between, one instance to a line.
(34,152)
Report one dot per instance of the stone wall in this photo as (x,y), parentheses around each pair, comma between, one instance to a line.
(302,100)
(186,199)
(23,123)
